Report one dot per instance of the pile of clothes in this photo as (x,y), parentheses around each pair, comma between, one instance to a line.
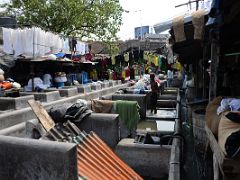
(7,84)
(228,113)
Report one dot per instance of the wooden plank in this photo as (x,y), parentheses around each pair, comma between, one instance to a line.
(42,115)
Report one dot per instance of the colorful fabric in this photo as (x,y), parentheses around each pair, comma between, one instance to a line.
(155,60)
(128,112)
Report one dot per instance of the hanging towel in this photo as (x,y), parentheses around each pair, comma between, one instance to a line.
(128,112)
(102,106)
(198,23)
(178,29)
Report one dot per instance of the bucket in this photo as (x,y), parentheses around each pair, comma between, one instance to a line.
(199,133)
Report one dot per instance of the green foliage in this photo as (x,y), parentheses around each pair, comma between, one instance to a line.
(98,19)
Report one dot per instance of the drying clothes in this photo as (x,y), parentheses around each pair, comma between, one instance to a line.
(57,112)
(47,80)
(102,106)
(198,23)
(38,83)
(145,56)
(128,112)
(126,57)
(155,61)
(113,60)
(229,104)
(178,28)
(75,112)
(228,136)
(7,40)
(31,42)
(80,48)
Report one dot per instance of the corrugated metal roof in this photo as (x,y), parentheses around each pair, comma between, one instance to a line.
(97,161)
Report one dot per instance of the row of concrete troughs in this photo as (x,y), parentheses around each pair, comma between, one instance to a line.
(103,149)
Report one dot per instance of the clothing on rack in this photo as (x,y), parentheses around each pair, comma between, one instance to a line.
(31,42)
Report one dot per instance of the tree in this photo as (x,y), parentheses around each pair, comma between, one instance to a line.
(100,19)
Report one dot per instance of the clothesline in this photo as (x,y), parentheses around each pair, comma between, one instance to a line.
(36,42)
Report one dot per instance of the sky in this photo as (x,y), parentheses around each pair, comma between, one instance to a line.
(147,12)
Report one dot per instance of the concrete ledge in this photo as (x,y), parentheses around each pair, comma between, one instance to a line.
(43,96)
(105,84)
(7,103)
(17,130)
(147,160)
(140,98)
(26,159)
(106,126)
(66,91)
(112,83)
(96,86)
(119,82)
(11,118)
(84,88)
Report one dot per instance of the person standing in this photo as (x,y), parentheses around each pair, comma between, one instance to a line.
(154,93)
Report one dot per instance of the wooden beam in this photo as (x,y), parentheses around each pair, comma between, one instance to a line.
(187,3)
(41,114)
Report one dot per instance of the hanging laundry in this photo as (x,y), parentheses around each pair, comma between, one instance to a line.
(155,60)
(113,59)
(128,112)
(7,41)
(145,56)
(126,57)
(178,28)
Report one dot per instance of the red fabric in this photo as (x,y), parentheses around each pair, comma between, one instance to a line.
(127,72)
(88,57)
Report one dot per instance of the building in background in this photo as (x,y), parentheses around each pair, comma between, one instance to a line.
(139,32)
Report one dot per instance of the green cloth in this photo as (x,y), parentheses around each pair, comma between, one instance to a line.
(128,112)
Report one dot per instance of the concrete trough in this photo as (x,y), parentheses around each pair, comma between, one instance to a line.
(7,103)
(140,98)
(148,160)
(84,88)
(43,96)
(105,84)
(168,97)
(112,83)
(27,159)
(66,91)
(119,82)
(166,103)
(96,86)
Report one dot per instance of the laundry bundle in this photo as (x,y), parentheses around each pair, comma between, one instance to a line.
(229,133)
(75,112)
